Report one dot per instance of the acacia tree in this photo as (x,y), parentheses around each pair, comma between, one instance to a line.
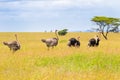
(106,24)
(115,29)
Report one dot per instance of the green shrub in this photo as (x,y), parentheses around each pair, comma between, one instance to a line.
(62,32)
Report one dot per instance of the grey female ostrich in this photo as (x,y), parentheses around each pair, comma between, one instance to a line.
(94,42)
(74,42)
(13,45)
(51,42)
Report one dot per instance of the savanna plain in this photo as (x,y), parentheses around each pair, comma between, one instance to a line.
(34,62)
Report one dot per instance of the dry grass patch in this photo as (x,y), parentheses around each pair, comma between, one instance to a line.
(34,62)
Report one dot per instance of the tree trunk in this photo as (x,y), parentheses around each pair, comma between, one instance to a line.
(105,36)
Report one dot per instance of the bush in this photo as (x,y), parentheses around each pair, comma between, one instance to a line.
(62,32)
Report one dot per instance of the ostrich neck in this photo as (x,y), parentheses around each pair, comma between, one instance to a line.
(56,35)
(97,41)
(16,38)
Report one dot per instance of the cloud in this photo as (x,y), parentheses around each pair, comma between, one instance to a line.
(56,4)
(47,5)
(28,7)
(27,13)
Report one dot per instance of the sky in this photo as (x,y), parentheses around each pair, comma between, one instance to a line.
(49,15)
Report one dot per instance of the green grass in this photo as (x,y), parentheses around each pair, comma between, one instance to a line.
(83,62)
(80,65)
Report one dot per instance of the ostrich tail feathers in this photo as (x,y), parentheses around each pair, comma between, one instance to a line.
(43,40)
(5,43)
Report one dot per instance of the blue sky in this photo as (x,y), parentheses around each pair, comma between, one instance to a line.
(47,15)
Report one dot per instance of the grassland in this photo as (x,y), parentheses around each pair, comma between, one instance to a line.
(35,62)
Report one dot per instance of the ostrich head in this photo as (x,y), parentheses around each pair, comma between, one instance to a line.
(56,30)
(15,35)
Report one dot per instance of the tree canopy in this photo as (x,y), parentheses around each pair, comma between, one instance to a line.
(106,24)
(62,32)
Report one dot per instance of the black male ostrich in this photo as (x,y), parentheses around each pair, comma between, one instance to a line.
(74,42)
(94,42)
(13,45)
(51,42)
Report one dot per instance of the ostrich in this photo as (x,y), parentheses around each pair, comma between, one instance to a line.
(94,42)
(13,45)
(74,42)
(51,42)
